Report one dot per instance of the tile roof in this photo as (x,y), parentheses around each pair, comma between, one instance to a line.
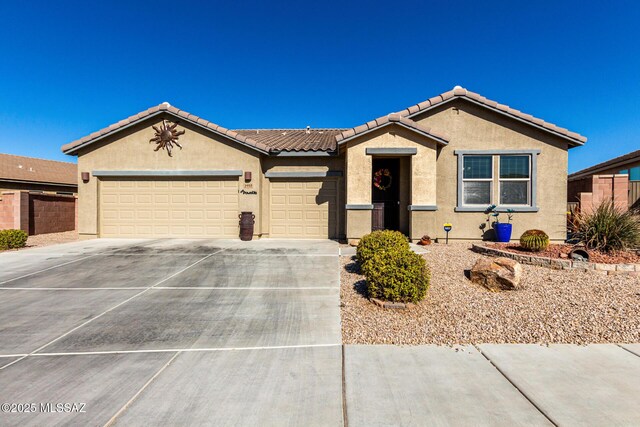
(390,119)
(620,161)
(18,168)
(72,147)
(460,92)
(274,140)
(294,139)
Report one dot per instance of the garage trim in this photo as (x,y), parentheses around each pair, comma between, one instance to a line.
(325,174)
(212,173)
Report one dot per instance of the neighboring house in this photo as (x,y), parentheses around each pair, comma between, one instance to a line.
(617,180)
(37,195)
(443,160)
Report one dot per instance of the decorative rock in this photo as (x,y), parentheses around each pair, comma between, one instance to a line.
(390,304)
(497,274)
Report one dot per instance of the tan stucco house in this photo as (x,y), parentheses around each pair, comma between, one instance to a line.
(443,160)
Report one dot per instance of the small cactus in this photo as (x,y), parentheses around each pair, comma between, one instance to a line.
(534,240)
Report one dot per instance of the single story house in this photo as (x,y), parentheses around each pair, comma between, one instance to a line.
(37,195)
(617,180)
(168,173)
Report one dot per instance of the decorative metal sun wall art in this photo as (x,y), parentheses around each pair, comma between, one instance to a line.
(166,136)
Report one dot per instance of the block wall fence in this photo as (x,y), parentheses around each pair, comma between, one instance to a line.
(38,213)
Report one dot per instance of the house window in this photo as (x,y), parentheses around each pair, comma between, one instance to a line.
(506,178)
(515,180)
(634,173)
(477,178)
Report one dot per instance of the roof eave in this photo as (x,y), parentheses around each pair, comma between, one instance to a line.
(574,141)
(438,139)
(24,181)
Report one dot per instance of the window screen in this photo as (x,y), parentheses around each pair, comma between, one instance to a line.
(477,167)
(514,167)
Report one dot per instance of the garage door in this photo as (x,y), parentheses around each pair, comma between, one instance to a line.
(303,209)
(169,208)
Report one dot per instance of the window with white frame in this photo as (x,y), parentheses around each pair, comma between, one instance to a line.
(477,180)
(496,178)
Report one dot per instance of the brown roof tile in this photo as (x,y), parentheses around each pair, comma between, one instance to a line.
(19,168)
(463,93)
(267,140)
(294,139)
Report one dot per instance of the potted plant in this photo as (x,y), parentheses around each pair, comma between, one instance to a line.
(502,229)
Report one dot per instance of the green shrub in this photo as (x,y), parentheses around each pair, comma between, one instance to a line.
(12,239)
(397,275)
(608,228)
(534,240)
(376,241)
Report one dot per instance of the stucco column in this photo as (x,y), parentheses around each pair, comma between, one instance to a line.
(358,190)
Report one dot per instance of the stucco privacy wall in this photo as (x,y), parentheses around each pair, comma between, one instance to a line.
(130,150)
(422,185)
(471,127)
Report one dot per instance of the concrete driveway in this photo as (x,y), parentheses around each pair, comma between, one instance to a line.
(172,332)
(177,332)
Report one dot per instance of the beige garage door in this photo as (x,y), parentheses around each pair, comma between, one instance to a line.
(303,208)
(169,208)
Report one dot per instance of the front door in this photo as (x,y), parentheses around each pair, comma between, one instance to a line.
(386,193)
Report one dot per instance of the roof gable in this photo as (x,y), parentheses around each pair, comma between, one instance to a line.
(164,108)
(461,93)
(392,119)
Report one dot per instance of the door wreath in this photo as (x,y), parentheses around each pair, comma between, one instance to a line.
(382,179)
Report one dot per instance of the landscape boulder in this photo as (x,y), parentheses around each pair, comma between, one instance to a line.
(497,274)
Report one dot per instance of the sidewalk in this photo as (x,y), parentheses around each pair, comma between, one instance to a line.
(492,384)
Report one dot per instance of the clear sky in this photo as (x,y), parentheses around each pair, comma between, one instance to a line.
(70,68)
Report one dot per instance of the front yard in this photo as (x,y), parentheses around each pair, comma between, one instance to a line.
(551,306)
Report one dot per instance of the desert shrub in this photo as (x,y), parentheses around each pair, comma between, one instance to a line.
(376,241)
(397,275)
(534,240)
(12,239)
(608,228)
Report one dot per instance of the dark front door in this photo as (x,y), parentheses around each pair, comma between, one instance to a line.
(386,193)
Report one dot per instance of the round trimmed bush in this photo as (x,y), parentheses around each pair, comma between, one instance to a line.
(383,240)
(398,275)
(13,239)
(534,240)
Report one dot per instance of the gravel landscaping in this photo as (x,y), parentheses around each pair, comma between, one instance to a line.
(51,239)
(551,306)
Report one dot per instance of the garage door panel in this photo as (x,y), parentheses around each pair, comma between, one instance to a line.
(169,208)
(301,208)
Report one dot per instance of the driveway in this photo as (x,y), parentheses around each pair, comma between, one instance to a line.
(213,332)
(172,332)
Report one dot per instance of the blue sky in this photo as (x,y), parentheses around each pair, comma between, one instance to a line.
(70,68)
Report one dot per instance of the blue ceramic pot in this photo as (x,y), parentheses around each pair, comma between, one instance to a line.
(503,232)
